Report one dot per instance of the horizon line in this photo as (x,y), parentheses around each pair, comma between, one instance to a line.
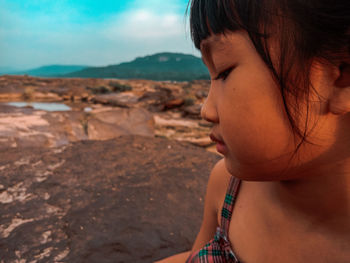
(14,69)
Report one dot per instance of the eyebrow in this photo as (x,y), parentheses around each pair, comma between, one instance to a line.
(207,45)
(214,41)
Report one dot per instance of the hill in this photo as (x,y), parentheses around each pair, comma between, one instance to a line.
(50,71)
(161,66)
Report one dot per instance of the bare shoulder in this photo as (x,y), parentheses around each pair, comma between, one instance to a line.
(218,182)
(216,188)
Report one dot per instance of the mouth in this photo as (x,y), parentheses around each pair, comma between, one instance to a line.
(220,145)
(215,139)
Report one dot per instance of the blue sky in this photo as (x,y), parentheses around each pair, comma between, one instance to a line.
(89,32)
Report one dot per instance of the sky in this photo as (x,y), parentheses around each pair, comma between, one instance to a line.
(34,33)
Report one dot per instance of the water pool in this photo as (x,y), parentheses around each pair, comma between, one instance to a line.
(47,106)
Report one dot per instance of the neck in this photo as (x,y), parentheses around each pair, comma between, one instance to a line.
(320,200)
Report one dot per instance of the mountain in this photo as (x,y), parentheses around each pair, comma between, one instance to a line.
(51,70)
(161,66)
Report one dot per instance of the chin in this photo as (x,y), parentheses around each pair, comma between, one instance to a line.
(251,172)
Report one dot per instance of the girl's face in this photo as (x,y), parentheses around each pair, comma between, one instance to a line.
(246,107)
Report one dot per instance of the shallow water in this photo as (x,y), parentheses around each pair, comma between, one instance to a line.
(47,106)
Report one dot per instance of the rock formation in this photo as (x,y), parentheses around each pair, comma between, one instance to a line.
(118,178)
(130,199)
(115,107)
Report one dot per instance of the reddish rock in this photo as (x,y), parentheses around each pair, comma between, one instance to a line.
(155,100)
(169,100)
(46,97)
(10,97)
(66,97)
(200,94)
(193,111)
(132,199)
(123,100)
(171,104)
(116,122)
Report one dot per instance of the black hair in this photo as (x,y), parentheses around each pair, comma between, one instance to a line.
(306,30)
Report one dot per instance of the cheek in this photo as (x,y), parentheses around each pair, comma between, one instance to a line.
(257,132)
(258,138)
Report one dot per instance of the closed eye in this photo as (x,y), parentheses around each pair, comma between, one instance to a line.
(224,74)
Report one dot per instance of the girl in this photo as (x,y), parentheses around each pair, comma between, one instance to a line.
(280,102)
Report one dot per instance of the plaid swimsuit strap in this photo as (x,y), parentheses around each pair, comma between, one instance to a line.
(219,248)
(226,214)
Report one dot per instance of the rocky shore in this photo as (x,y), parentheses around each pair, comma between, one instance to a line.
(101,109)
(129,199)
(120,177)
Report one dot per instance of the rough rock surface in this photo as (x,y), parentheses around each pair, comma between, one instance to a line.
(175,102)
(111,123)
(130,199)
(25,127)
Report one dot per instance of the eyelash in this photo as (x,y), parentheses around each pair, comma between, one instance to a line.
(224,74)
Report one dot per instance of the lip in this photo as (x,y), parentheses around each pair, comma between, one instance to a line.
(215,139)
(220,145)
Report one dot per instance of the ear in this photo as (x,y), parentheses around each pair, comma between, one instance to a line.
(339,102)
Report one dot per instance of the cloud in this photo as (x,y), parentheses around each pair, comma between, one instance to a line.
(151,21)
(142,30)
(145,25)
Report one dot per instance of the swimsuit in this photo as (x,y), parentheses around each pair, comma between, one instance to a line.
(218,250)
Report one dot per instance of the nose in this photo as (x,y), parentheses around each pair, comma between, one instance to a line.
(209,111)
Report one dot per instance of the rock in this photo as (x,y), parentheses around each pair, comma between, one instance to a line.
(110,124)
(10,97)
(181,129)
(85,97)
(200,94)
(204,123)
(100,90)
(76,98)
(25,127)
(123,100)
(119,87)
(66,97)
(171,104)
(203,142)
(159,121)
(132,199)
(99,130)
(193,111)
(156,100)
(178,101)
(49,96)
